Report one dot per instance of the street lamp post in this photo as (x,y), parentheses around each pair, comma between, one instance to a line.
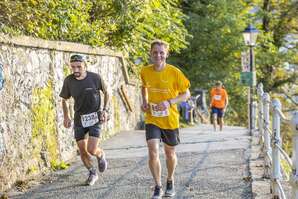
(250,37)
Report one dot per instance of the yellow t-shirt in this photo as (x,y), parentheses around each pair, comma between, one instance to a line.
(163,85)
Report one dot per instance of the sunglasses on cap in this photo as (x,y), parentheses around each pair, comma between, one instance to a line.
(76,58)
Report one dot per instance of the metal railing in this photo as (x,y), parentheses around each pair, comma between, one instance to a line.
(271,141)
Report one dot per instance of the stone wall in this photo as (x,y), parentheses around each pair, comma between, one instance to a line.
(32,136)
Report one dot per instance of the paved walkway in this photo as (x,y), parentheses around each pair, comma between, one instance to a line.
(211,165)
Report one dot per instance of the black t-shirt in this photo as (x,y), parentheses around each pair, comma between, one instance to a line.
(85,93)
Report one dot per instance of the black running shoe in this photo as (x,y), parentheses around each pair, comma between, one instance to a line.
(170,190)
(157,194)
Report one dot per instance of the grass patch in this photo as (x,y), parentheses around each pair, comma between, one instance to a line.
(59,165)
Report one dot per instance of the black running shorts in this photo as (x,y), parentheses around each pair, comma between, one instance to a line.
(80,132)
(168,136)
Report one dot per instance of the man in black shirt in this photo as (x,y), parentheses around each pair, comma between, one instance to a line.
(84,87)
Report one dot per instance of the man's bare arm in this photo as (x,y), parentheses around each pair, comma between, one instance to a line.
(106,100)
(65,108)
(226,102)
(180,98)
(66,120)
(106,94)
(144,95)
(145,105)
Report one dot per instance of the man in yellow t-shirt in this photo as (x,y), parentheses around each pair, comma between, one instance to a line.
(219,102)
(163,86)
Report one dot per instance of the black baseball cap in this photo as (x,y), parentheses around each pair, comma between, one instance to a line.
(76,58)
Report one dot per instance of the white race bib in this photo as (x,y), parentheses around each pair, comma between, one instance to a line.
(217,97)
(89,119)
(156,113)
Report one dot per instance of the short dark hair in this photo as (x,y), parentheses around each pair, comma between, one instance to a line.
(160,43)
(77,58)
(218,83)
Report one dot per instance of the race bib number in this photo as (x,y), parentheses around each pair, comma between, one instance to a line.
(89,119)
(217,97)
(157,113)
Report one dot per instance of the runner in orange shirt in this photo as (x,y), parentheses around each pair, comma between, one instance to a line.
(218,104)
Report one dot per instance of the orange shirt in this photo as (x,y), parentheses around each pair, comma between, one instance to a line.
(218,97)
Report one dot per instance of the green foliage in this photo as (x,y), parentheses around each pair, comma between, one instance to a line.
(214,50)
(50,19)
(286,168)
(276,55)
(278,49)
(128,25)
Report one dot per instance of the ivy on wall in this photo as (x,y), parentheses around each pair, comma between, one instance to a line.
(44,132)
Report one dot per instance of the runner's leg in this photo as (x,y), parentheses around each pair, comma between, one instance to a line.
(154,161)
(85,156)
(214,118)
(171,161)
(220,119)
(93,148)
(220,123)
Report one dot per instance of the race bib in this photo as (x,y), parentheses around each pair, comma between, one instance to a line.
(89,119)
(217,97)
(157,113)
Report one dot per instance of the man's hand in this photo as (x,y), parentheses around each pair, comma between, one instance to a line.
(103,117)
(145,107)
(224,109)
(163,105)
(67,122)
